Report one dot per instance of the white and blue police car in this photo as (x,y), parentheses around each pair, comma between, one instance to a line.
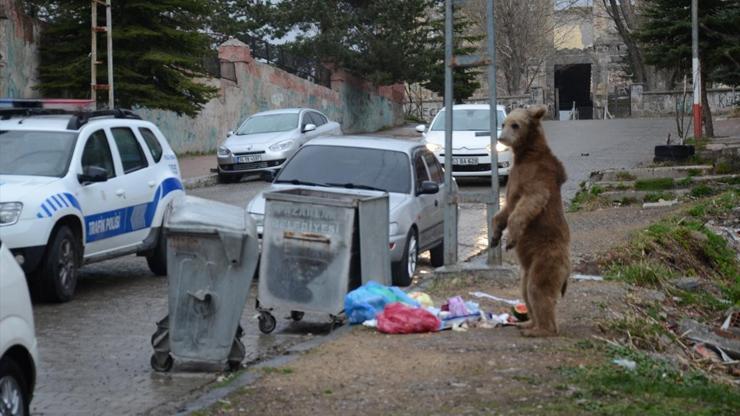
(80,187)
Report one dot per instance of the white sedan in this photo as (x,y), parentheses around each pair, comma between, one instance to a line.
(471,141)
(266,140)
(406,170)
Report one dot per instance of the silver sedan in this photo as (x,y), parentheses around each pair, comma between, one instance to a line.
(266,140)
(406,170)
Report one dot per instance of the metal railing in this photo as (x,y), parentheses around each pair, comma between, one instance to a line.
(280,57)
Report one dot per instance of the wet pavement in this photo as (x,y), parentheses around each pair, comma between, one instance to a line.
(95,350)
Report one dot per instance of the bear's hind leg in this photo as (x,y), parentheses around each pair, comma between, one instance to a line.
(525,296)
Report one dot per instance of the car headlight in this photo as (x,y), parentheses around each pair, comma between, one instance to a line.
(280,146)
(500,147)
(434,148)
(223,151)
(10,212)
(393,228)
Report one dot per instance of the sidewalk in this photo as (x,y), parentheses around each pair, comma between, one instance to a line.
(196,170)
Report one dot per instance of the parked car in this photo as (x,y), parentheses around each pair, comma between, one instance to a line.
(471,152)
(82,187)
(18,349)
(406,170)
(266,140)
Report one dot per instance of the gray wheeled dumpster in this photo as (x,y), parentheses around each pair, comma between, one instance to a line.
(316,247)
(212,253)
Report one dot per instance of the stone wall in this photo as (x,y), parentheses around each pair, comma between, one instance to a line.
(18,54)
(665,103)
(356,104)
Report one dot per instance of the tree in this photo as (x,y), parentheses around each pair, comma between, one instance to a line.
(526,36)
(666,39)
(384,41)
(625,18)
(158,49)
(465,79)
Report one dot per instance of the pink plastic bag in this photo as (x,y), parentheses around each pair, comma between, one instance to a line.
(398,318)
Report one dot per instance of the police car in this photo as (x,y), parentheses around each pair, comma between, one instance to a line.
(80,187)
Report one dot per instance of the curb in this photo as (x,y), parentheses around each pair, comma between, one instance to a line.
(200,181)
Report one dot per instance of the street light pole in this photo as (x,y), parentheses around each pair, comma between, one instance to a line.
(696,68)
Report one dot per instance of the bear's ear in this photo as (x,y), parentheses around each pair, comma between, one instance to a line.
(537,111)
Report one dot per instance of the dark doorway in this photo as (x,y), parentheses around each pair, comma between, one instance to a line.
(573,83)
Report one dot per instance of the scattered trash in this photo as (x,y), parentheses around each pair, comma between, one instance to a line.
(511,302)
(398,318)
(704,352)
(588,277)
(660,204)
(456,306)
(625,363)
(371,323)
(424,299)
(520,312)
(368,300)
(460,327)
(703,334)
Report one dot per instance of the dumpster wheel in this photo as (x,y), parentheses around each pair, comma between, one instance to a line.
(162,367)
(267,322)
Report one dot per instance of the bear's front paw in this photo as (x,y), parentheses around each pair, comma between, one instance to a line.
(513,238)
(495,239)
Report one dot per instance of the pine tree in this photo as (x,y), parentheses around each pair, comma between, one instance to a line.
(158,50)
(666,38)
(465,79)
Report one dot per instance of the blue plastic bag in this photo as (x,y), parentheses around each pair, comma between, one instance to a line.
(368,300)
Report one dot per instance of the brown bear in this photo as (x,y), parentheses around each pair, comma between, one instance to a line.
(534,217)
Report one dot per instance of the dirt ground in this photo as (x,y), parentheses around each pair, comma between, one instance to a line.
(479,371)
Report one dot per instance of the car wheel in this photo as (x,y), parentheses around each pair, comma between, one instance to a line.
(228,177)
(437,254)
(14,394)
(56,279)
(405,269)
(157,260)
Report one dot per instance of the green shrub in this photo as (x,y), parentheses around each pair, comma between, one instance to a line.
(657,184)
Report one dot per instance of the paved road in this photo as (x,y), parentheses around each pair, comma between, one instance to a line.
(95,350)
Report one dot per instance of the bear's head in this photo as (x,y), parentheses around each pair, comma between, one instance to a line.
(520,125)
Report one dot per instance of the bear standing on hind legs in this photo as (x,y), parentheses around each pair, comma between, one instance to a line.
(534,217)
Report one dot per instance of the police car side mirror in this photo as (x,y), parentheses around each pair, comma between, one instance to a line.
(93,174)
(428,188)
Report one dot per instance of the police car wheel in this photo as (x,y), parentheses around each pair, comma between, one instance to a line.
(56,278)
(157,260)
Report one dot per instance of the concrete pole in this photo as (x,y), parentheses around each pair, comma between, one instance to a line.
(450,208)
(109,32)
(494,253)
(696,68)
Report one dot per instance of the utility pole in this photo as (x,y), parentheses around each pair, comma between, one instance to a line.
(108,30)
(493,205)
(450,208)
(696,68)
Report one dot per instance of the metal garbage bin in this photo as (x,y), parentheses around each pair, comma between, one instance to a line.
(212,253)
(316,247)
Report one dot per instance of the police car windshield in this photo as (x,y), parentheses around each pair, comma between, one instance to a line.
(35,153)
(269,123)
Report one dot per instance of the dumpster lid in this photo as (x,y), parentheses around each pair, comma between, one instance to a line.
(193,214)
(322,197)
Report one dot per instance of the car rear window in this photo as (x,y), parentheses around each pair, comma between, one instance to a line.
(320,164)
(152,142)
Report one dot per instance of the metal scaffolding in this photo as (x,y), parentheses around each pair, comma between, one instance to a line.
(108,30)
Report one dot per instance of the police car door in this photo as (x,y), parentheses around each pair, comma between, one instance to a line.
(101,202)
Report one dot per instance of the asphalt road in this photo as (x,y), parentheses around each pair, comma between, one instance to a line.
(95,350)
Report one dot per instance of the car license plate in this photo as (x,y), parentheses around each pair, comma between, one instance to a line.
(248,158)
(464,160)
